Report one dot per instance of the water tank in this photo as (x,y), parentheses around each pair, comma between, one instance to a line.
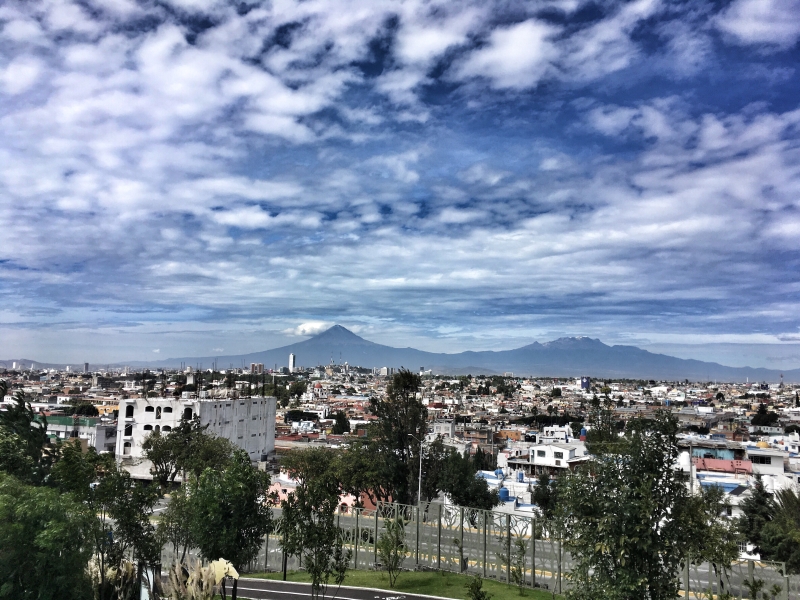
(498,472)
(520,476)
(504,495)
(583,431)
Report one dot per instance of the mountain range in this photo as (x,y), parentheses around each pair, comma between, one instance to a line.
(564,357)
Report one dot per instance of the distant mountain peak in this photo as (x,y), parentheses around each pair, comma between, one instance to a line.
(577,342)
(337,333)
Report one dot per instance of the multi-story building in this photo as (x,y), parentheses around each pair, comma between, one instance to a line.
(249,423)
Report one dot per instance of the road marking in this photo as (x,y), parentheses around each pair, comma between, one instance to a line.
(304,594)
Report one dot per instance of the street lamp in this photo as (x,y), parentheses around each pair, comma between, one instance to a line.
(419,486)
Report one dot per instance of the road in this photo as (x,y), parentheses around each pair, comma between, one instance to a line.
(256,589)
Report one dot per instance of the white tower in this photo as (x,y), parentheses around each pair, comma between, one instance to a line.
(291,363)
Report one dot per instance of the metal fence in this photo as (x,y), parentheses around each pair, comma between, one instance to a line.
(500,546)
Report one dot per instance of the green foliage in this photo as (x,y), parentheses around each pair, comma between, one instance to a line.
(464,488)
(603,436)
(293,416)
(20,420)
(186,449)
(758,509)
(14,457)
(341,423)
(228,513)
(297,388)
(174,525)
(780,537)
(400,414)
(545,496)
(44,543)
(764,417)
(308,521)
(556,392)
(518,564)
(475,589)
(392,549)
(628,518)
(83,409)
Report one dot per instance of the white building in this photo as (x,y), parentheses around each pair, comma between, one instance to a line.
(291,363)
(249,423)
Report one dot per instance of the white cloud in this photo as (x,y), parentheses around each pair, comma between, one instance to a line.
(517,57)
(309,328)
(767,22)
(20,74)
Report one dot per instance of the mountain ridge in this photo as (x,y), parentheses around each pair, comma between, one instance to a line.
(566,356)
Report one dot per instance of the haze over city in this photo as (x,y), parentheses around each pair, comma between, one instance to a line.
(193,179)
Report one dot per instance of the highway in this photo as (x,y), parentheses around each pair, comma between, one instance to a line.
(257,589)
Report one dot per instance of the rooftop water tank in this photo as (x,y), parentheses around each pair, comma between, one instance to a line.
(520,476)
(504,495)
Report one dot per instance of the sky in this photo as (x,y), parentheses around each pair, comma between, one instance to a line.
(186,177)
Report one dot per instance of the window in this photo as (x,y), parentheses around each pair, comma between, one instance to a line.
(149,409)
(126,448)
(158,413)
(167,409)
(166,428)
(129,411)
(558,454)
(128,430)
(540,453)
(158,429)
(148,427)
(187,413)
(558,463)
(761,460)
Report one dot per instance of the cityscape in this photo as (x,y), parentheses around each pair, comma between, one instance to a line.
(379,300)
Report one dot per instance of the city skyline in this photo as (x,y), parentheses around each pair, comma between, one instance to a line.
(180,179)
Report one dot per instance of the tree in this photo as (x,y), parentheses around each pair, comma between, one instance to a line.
(463,486)
(545,496)
(174,525)
(308,521)
(602,437)
(44,543)
(625,517)
(14,457)
(20,420)
(392,548)
(122,506)
(780,537)
(758,509)
(763,417)
(228,512)
(475,589)
(401,415)
(341,424)
(556,393)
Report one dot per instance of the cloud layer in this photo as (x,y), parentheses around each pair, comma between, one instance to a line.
(189,176)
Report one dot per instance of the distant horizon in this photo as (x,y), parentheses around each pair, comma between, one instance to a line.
(153,360)
(185,178)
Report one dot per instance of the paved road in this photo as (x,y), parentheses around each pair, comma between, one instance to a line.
(258,589)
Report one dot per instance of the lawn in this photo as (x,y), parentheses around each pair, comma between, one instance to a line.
(432,583)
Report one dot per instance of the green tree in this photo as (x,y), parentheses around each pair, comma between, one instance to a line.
(308,520)
(122,506)
(174,526)
(20,420)
(475,589)
(44,543)
(341,424)
(780,537)
(14,457)
(758,509)
(545,495)
(228,512)
(392,548)
(625,516)
(401,415)
(603,437)
(461,484)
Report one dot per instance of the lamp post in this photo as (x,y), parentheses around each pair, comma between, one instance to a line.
(419,485)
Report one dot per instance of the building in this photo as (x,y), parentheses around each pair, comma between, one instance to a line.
(90,431)
(291,363)
(85,367)
(258,368)
(249,423)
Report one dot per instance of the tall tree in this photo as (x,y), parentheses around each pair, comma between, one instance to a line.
(20,420)
(308,520)
(758,509)
(399,431)
(780,538)
(463,486)
(626,517)
(229,515)
(44,543)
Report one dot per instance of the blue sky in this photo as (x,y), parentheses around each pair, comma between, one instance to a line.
(181,177)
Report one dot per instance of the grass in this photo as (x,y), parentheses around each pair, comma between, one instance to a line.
(431,583)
